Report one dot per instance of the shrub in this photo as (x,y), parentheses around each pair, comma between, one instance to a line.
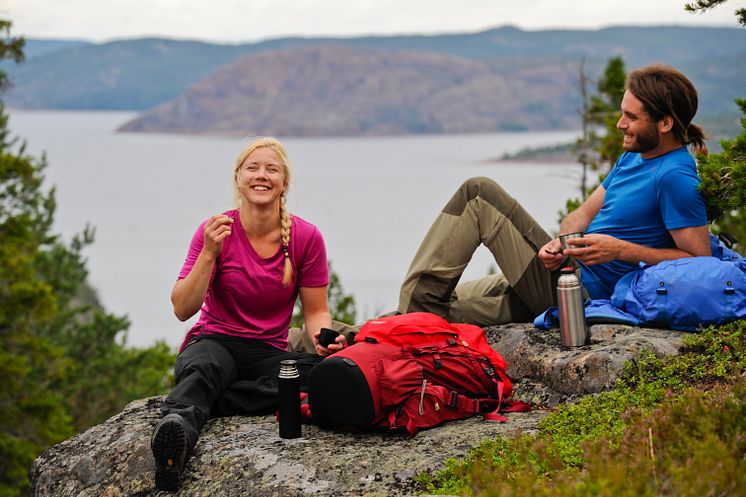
(672,426)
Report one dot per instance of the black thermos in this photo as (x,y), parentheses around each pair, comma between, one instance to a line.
(289,387)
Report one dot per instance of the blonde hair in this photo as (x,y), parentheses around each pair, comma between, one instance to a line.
(285,217)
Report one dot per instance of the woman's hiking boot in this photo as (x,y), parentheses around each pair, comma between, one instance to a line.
(169,446)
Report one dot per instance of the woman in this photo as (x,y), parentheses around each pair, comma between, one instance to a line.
(244,270)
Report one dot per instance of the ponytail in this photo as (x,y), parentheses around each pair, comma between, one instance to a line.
(696,137)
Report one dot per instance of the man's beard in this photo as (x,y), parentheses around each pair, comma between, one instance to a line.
(645,141)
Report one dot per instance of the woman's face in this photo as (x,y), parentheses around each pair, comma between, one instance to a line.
(261,178)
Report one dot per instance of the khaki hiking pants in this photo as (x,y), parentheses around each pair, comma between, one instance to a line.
(480,212)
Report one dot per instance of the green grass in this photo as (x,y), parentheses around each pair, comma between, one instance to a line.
(673,426)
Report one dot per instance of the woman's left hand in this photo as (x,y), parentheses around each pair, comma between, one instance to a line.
(332,348)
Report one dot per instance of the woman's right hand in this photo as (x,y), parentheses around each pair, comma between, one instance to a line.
(217,229)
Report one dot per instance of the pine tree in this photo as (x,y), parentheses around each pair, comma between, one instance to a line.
(724,175)
(724,184)
(601,143)
(63,359)
(32,415)
(341,305)
(705,5)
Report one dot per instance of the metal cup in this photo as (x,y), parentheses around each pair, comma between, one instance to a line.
(567,236)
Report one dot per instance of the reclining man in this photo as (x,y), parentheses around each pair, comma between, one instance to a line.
(648,209)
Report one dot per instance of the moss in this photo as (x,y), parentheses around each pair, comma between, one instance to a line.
(672,426)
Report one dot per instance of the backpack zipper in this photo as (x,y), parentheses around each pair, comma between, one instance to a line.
(422,397)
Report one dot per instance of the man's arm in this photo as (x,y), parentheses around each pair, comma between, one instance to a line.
(597,249)
(578,220)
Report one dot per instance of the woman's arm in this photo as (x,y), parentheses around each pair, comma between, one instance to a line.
(316,316)
(189,293)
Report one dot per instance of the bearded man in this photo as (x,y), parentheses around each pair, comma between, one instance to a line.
(648,209)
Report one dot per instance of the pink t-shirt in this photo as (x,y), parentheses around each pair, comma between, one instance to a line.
(245,297)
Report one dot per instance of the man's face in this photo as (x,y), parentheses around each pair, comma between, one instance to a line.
(640,132)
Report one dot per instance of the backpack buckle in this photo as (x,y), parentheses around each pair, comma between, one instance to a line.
(453,401)
(728,239)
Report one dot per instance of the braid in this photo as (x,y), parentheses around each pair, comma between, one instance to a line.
(285,223)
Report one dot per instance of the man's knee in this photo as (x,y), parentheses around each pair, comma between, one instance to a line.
(478,187)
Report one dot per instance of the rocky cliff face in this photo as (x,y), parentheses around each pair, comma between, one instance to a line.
(337,90)
(241,456)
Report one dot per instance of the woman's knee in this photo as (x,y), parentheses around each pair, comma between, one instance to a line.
(206,358)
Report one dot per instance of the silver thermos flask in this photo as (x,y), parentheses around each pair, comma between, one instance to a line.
(288,383)
(573,330)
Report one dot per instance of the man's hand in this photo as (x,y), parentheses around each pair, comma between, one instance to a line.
(595,249)
(551,254)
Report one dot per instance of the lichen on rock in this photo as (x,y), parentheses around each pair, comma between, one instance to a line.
(239,456)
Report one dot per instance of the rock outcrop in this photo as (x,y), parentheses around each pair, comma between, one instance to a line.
(243,456)
(338,90)
(544,374)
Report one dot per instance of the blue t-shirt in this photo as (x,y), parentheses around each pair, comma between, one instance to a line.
(645,198)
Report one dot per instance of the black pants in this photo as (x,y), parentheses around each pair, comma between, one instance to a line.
(225,376)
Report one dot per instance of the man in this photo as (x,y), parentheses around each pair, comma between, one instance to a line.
(647,210)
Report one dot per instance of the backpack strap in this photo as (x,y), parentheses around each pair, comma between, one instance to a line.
(484,406)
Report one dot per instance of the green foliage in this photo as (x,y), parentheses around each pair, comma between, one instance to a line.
(62,357)
(705,5)
(723,175)
(733,222)
(724,183)
(690,404)
(103,374)
(604,113)
(11,48)
(601,143)
(549,153)
(341,304)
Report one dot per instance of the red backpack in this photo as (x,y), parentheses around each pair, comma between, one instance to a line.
(411,371)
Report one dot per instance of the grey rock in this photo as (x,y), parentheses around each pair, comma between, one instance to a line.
(543,373)
(244,456)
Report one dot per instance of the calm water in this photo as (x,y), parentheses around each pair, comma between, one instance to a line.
(372,198)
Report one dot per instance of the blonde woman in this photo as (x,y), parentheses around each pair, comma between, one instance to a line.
(243,271)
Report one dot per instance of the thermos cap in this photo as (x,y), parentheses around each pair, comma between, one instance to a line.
(288,368)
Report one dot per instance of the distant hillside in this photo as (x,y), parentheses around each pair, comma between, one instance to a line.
(121,75)
(340,90)
(35,48)
(144,73)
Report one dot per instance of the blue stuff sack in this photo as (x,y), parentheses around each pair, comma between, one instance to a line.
(685,294)
(682,294)
(596,311)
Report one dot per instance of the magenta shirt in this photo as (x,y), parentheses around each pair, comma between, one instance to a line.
(245,297)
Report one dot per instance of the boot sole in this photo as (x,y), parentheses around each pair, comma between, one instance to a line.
(169,447)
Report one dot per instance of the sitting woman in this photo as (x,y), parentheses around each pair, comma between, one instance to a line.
(244,270)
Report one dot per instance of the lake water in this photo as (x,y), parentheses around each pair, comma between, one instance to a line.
(372,198)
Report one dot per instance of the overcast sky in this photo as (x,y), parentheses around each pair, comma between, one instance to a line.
(252,20)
